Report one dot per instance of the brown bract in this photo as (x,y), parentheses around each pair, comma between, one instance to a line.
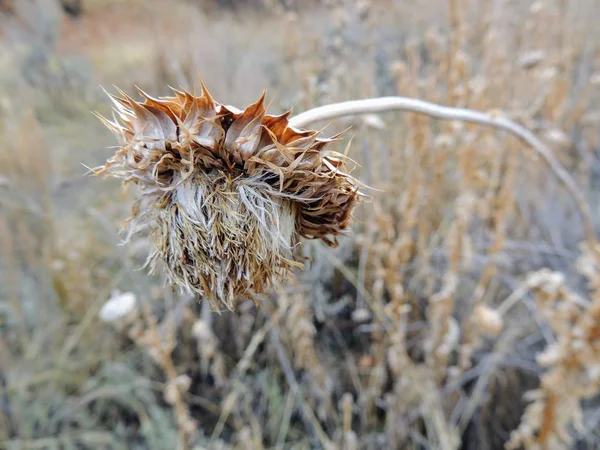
(226,194)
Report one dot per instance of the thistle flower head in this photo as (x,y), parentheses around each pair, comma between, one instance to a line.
(226,194)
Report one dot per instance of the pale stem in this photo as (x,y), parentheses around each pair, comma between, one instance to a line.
(388,104)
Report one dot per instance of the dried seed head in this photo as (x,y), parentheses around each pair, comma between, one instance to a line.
(226,194)
(488,320)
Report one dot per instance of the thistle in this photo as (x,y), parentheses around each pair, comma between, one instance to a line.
(226,195)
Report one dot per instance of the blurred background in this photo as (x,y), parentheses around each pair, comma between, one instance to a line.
(463,311)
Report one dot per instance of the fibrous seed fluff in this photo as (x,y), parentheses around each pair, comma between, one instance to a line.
(226,194)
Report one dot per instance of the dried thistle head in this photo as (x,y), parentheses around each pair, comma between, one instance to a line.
(226,194)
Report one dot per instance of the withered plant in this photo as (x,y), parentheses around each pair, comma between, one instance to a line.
(226,194)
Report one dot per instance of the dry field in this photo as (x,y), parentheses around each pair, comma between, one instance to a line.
(461,312)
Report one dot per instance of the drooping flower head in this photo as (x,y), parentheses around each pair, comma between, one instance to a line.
(226,194)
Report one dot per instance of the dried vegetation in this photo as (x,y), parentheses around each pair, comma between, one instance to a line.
(461,313)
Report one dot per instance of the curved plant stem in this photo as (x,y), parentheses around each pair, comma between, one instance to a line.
(387,104)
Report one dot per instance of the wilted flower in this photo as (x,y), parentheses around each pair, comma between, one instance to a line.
(226,194)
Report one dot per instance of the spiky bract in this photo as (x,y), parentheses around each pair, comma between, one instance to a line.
(226,194)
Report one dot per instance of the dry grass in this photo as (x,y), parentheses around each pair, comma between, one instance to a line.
(462,312)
